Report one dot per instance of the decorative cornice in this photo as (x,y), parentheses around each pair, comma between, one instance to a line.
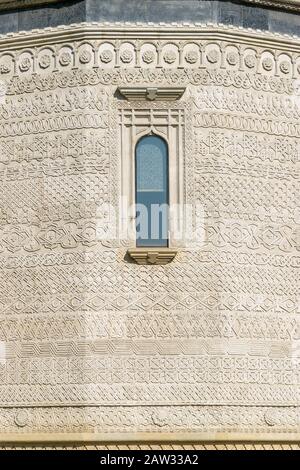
(149,31)
(106,46)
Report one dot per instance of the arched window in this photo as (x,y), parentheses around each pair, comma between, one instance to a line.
(152,192)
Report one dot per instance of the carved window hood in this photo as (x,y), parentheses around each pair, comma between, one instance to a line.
(152,256)
(152,93)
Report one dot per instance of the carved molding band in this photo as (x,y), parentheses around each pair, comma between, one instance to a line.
(149,31)
(201,53)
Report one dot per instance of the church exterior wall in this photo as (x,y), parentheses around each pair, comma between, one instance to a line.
(94,347)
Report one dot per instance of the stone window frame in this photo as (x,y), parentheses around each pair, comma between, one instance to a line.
(138,119)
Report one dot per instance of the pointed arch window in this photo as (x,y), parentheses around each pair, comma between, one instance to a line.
(152,192)
(152,169)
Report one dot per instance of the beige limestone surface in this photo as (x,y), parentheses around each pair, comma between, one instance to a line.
(93,344)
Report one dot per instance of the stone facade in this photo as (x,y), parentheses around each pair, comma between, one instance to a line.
(94,346)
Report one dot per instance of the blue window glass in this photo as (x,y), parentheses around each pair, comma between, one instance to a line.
(152,192)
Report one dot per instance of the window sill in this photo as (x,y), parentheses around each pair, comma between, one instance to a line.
(159,256)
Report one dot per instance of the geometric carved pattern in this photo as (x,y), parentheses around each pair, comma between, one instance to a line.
(90,342)
(146,418)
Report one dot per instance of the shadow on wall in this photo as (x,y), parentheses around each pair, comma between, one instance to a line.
(202,11)
(66,12)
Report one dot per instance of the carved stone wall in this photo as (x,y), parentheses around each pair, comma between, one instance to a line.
(92,343)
